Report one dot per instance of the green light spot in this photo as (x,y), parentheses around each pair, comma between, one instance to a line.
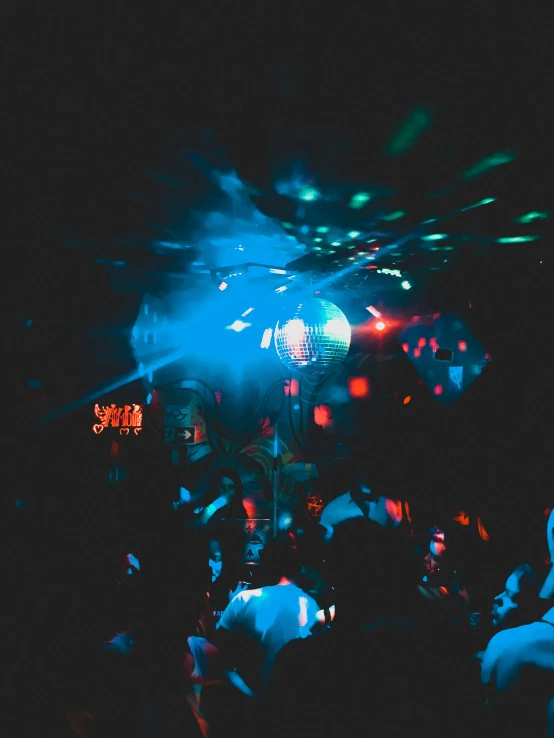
(335,243)
(434,237)
(489,162)
(359,200)
(351,258)
(286,225)
(318,240)
(309,194)
(395,216)
(322,229)
(317,248)
(518,239)
(486,201)
(406,285)
(354,234)
(425,222)
(405,137)
(530,217)
(331,251)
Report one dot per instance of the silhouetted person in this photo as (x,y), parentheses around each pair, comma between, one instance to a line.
(380,669)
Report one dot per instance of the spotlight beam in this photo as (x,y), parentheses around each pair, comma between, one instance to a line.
(115,384)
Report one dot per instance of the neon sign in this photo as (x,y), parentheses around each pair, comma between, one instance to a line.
(125,418)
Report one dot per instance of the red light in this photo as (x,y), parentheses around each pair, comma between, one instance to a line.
(422,342)
(406,347)
(415,319)
(291,387)
(547,512)
(437,389)
(323,416)
(358,386)
(374,248)
(436,315)
(407,400)
(462,346)
(380,326)
(417,353)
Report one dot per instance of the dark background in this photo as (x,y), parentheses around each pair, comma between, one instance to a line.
(96,96)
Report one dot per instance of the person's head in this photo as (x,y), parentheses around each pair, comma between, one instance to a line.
(371,566)
(216,553)
(516,604)
(280,558)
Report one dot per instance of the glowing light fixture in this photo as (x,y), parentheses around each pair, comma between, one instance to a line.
(380,326)
(354,234)
(223,286)
(238,326)
(359,200)
(316,338)
(266,338)
(434,237)
(406,285)
(518,239)
(373,311)
(309,194)
(530,217)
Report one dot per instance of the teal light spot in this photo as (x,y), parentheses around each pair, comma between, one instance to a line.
(395,216)
(408,133)
(309,194)
(518,239)
(359,200)
(489,162)
(322,229)
(434,237)
(530,217)
(354,234)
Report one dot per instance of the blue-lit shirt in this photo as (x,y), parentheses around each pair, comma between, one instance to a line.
(271,616)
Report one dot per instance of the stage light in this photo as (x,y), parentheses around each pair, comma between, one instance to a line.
(407,399)
(462,346)
(266,338)
(223,286)
(406,285)
(354,234)
(437,390)
(434,237)
(359,200)
(316,338)
(358,386)
(380,326)
(309,194)
(238,326)
(373,311)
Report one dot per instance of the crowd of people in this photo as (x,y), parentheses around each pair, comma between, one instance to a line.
(357,625)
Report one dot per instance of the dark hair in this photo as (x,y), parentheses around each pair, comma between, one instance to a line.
(530,582)
(280,558)
(375,562)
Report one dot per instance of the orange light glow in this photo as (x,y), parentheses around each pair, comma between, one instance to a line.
(438,389)
(406,347)
(291,387)
(461,517)
(436,315)
(422,342)
(462,346)
(417,353)
(482,532)
(358,386)
(407,400)
(323,416)
(380,326)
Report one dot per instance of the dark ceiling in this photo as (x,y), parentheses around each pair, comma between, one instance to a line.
(426,112)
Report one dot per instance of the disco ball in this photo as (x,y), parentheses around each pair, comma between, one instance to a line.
(315,339)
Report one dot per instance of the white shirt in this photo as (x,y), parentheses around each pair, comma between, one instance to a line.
(272,616)
(515,656)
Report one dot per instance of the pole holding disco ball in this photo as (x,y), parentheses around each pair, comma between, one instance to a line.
(275,477)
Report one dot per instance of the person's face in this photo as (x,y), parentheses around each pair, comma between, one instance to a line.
(437,546)
(505,604)
(227,487)
(215,550)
